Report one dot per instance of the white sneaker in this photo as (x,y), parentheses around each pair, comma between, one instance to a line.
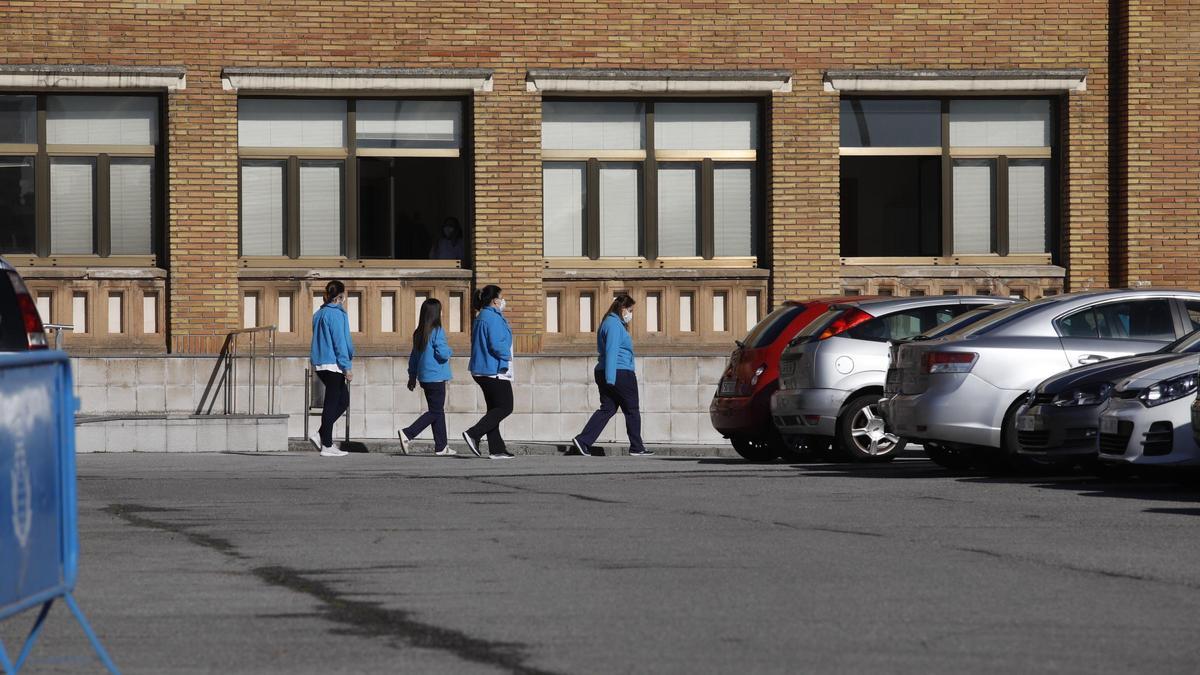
(445,452)
(404,441)
(315,439)
(333,451)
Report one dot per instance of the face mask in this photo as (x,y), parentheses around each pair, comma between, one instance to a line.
(500,307)
(627,316)
(448,232)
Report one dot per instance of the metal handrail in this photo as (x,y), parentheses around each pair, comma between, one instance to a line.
(226,366)
(57,329)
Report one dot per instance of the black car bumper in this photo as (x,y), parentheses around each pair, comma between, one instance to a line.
(1050,432)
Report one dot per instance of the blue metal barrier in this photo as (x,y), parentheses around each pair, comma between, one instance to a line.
(39,541)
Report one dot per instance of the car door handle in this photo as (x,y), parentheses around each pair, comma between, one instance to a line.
(1090,358)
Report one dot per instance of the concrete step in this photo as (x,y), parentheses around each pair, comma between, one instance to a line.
(180,432)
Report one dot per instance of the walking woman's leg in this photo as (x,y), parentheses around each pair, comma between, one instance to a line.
(599,419)
(478,430)
(627,389)
(503,398)
(435,396)
(332,406)
(430,416)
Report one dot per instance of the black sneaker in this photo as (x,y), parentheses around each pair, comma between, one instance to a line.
(644,452)
(472,444)
(503,454)
(580,447)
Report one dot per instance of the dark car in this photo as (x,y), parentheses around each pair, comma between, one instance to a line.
(20,325)
(741,406)
(1059,421)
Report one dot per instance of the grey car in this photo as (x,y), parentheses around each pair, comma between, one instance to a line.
(832,373)
(959,395)
(1148,419)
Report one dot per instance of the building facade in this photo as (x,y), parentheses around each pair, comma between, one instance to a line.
(174,171)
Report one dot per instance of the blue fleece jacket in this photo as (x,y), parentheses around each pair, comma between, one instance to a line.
(331,338)
(491,343)
(615,346)
(431,363)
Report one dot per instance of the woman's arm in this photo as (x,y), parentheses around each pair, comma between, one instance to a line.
(441,348)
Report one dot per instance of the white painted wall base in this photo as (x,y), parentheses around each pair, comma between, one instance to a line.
(183,433)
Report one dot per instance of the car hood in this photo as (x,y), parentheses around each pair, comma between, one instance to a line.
(1112,370)
(1181,365)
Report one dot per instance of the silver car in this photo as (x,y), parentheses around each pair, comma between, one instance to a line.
(959,395)
(1148,418)
(831,375)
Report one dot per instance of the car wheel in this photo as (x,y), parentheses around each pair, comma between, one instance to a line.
(949,458)
(755,449)
(803,448)
(861,433)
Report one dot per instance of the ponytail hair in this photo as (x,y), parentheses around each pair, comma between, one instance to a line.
(622,302)
(485,296)
(333,289)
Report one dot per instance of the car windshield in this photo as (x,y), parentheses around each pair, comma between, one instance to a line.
(768,330)
(1008,314)
(1188,344)
(958,323)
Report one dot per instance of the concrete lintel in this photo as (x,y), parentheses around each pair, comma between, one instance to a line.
(92,273)
(286,273)
(357,79)
(41,76)
(954,271)
(956,80)
(666,274)
(583,80)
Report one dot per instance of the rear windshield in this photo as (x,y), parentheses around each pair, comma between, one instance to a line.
(768,330)
(12,326)
(1009,313)
(818,324)
(961,322)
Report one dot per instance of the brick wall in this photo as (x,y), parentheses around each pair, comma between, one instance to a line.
(207,35)
(1157,148)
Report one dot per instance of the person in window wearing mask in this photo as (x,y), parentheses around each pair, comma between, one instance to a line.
(429,364)
(491,366)
(331,356)
(449,245)
(616,379)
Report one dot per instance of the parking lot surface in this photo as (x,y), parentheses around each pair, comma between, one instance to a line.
(376,563)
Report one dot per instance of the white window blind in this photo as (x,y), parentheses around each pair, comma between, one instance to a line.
(973,206)
(678,210)
(291,123)
(562,208)
(1028,182)
(130,205)
(1000,123)
(320,209)
(262,208)
(620,200)
(408,124)
(706,126)
(733,210)
(593,125)
(102,120)
(72,214)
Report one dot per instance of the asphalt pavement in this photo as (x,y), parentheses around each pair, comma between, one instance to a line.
(373,563)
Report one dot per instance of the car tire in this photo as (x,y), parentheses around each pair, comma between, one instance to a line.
(861,436)
(949,458)
(754,449)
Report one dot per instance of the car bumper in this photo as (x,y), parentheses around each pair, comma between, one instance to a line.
(967,411)
(1131,433)
(1049,431)
(740,415)
(807,411)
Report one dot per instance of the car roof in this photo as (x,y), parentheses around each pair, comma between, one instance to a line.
(893,304)
(4,265)
(831,300)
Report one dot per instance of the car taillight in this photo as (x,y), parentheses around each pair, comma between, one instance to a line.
(949,362)
(35,334)
(845,321)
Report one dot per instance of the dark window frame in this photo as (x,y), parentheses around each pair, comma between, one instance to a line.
(101,180)
(648,243)
(351,223)
(1000,225)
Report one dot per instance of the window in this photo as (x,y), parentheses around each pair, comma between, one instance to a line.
(947,177)
(356,178)
(78,174)
(1136,320)
(652,179)
(905,324)
(770,328)
(1193,314)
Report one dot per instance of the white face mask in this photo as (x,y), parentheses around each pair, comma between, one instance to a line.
(627,316)
(501,305)
(448,232)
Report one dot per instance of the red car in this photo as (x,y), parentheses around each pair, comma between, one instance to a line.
(741,406)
